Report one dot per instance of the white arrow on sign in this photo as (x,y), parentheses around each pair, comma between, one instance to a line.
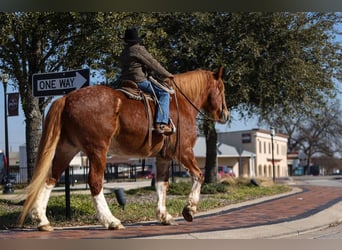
(75,82)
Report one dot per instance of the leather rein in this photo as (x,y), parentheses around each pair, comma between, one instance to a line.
(206,117)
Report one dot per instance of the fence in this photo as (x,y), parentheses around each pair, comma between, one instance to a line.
(79,174)
(113,173)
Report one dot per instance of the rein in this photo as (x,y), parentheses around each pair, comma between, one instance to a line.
(206,117)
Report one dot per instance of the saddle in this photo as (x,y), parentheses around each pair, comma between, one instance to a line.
(132,91)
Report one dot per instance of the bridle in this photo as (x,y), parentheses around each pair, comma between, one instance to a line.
(205,116)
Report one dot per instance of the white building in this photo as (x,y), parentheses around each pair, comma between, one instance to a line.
(259,143)
(227,155)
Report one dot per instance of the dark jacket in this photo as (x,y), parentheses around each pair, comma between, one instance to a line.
(136,61)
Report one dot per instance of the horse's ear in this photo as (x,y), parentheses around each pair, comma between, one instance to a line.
(219,73)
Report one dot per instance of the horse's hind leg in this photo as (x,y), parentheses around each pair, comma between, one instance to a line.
(59,164)
(95,180)
(162,184)
(38,211)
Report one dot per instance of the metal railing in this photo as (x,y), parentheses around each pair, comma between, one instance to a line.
(79,174)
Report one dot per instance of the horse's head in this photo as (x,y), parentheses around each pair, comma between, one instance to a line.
(216,104)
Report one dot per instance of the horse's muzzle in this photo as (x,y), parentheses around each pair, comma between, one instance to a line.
(224,116)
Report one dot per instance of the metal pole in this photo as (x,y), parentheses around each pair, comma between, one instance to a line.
(8,185)
(272,144)
(172,172)
(67,193)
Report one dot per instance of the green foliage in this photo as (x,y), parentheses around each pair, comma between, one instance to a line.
(271,59)
(180,188)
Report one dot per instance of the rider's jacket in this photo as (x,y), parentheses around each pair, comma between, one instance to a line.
(136,62)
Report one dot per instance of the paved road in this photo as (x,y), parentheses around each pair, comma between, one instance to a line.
(332,230)
(309,208)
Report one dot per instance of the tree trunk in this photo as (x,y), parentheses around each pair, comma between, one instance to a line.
(32,109)
(33,134)
(211,154)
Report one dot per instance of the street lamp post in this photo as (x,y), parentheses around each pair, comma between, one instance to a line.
(8,185)
(272,133)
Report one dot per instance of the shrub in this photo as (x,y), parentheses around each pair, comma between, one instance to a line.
(180,188)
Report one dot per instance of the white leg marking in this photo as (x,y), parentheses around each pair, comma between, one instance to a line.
(39,208)
(161,197)
(162,214)
(194,195)
(103,213)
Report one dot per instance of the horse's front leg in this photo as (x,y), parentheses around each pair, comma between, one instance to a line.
(104,214)
(162,184)
(194,197)
(95,180)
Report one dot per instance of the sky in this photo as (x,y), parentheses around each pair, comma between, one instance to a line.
(16,124)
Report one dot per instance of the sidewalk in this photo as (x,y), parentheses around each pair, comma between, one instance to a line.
(292,229)
(305,209)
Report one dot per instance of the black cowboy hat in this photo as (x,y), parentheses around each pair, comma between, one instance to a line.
(131,35)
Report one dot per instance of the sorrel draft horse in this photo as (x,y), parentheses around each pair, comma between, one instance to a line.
(99,120)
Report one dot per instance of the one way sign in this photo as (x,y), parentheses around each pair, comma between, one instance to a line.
(59,83)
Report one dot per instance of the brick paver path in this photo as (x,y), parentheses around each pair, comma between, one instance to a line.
(313,199)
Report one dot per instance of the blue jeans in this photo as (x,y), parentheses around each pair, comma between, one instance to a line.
(162,111)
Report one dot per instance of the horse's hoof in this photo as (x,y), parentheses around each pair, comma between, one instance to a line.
(45,228)
(112,226)
(188,214)
(170,222)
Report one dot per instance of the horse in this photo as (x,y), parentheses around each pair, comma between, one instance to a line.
(99,121)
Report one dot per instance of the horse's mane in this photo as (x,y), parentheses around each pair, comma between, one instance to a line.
(192,83)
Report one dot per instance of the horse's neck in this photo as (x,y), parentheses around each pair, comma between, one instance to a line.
(195,95)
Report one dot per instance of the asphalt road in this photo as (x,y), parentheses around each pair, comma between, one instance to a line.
(334,230)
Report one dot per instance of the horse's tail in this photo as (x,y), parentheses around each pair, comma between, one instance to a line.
(46,150)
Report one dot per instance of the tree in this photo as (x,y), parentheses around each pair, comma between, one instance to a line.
(274,60)
(316,131)
(321,133)
(45,42)
(210,175)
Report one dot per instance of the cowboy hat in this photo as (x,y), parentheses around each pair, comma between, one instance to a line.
(131,35)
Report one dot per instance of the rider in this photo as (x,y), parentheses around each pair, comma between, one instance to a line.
(135,62)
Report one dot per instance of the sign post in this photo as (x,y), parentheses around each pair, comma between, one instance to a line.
(59,83)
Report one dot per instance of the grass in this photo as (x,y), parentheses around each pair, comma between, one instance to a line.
(141,203)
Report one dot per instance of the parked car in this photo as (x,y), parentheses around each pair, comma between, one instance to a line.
(147,174)
(181,174)
(224,171)
(8,179)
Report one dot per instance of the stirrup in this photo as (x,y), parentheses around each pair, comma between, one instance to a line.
(171,128)
(163,129)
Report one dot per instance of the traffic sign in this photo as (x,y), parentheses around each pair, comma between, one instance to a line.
(59,83)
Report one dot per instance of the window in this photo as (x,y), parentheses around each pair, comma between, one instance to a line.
(277,149)
(264,147)
(269,147)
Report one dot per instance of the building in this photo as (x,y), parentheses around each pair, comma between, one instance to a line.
(227,155)
(255,149)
